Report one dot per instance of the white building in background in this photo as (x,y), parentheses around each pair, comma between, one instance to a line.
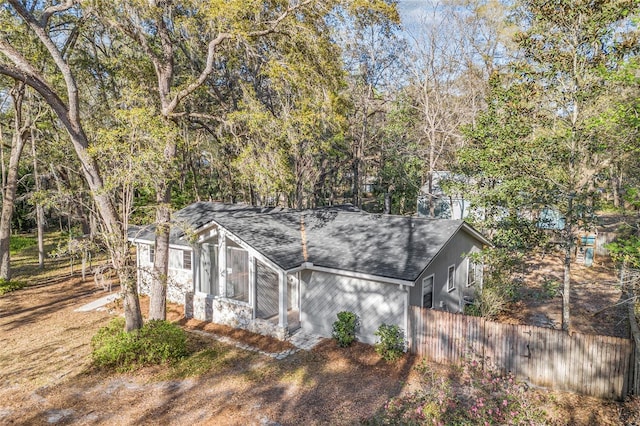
(446,206)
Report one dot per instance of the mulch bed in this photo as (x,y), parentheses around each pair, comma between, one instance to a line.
(175,313)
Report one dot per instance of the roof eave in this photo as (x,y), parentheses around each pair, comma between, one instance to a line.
(309,266)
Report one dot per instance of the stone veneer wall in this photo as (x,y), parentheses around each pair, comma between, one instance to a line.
(205,307)
(180,282)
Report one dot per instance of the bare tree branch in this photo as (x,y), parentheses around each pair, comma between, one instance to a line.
(49,11)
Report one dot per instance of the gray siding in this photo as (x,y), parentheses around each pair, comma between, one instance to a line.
(375,303)
(267,291)
(450,254)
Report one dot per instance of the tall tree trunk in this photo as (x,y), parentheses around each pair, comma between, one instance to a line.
(613,182)
(158,296)
(566,289)
(9,191)
(568,246)
(39,209)
(387,199)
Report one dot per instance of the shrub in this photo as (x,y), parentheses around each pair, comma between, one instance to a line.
(344,329)
(8,286)
(391,344)
(499,288)
(156,342)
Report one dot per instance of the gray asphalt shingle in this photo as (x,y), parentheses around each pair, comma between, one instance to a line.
(337,237)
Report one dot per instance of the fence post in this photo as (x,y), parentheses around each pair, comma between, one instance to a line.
(634,371)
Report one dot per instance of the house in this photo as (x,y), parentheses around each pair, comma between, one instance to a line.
(445,206)
(274,270)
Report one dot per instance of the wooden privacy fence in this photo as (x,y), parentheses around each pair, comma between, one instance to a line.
(592,365)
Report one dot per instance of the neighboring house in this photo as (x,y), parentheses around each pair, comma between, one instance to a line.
(445,206)
(273,270)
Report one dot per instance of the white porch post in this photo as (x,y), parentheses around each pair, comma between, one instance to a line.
(195,264)
(222,262)
(138,266)
(283,299)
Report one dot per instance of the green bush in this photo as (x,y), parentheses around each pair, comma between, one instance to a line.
(344,329)
(391,344)
(156,342)
(8,286)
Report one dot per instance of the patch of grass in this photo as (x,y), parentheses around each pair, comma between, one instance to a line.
(8,286)
(263,372)
(156,342)
(299,376)
(17,243)
(208,360)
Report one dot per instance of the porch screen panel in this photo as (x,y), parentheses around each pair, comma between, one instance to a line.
(209,270)
(267,292)
(237,274)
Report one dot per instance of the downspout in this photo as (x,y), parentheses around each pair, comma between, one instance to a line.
(408,336)
(303,239)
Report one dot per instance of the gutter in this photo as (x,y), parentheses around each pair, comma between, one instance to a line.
(309,266)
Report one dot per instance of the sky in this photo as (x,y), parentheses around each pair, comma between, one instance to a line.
(411,11)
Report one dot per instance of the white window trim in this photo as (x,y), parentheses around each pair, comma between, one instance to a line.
(433,280)
(451,281)
(470,265)
(180,259)
(190,254)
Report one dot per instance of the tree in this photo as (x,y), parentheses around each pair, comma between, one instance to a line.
(189,43)
(21,127)
(57,85)
(455,50)
(542,132)
(372,51)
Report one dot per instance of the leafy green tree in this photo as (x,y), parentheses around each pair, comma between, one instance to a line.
(188,43)
(57,84)
(22,121)
(538,144)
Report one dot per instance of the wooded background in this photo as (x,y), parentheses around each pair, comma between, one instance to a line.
(113,113)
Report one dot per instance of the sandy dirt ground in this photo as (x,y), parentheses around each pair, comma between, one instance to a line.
(46,376)
(596,307)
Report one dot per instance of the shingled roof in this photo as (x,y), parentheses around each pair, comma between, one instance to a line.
(343,238)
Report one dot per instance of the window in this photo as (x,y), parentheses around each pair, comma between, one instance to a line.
(186,259)
(451,274)
(474,271)
(237,274)
(427,292)
(209,269)
(152,254)
(179,259)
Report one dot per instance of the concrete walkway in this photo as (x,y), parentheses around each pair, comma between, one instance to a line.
(300,339)
(303,340)
(97,304)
